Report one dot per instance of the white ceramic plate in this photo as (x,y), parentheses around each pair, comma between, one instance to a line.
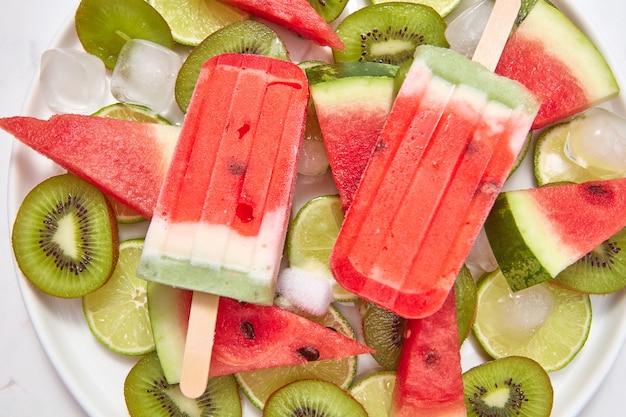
(95,376)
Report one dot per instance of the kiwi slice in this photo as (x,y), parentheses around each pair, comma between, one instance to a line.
(389,32)
(65,237)
(247,37)
(383,331)
(104,26)
(466,297)
(147,394)
(310,397)
(511,386)
(601,271)
(328,9)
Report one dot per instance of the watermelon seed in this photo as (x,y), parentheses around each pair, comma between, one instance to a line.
(248,330)
(309,353)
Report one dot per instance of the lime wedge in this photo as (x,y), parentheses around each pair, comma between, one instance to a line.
(545,322)
(259,385)
(375,392)
(117,312)
(311,237)
(443,7)
(193,20)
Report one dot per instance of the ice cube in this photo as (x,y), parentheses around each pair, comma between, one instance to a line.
(309,292)
(72,81)
(597,141)
(464,31)
(145,74)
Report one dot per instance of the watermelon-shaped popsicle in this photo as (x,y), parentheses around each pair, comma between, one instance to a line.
(453,134)
(220,220)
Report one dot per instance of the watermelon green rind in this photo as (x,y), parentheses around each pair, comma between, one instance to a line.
(518,263)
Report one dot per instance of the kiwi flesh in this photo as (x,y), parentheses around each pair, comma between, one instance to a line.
(310,397)
(104,26)
(601,271)
(148,394)
(383,331)
(65,237)
(511,386)
(246,37)
(389,32)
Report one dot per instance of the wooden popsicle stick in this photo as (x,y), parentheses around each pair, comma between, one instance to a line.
(199,344)
(496,33)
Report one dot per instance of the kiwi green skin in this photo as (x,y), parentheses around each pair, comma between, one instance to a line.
(311,397)
(328,72)
(147,394)
(104,26)
(517,262)
(248,37)
(328,9)
(466,298)
(396,16)
(101,234)
(602,271)
(525,378)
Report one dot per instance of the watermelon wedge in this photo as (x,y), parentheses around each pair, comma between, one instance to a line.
(555,60)
(449,143)
(538,232)
(221,218)
(296,15)
(429,376)
(247,337)
(352,101)
(124,159)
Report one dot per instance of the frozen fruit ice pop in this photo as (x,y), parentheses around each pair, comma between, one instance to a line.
(445,151)
(220,220)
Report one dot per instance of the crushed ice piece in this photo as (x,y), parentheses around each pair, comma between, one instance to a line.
(527,310)
(72,81)
(464,31)
(145,74)
(313,158)
(596,141)
(481,258)
(309,292)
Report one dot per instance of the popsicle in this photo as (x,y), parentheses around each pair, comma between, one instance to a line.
(445,151)
(221,216)
(220,221)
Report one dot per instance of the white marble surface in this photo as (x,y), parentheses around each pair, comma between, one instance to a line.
(29,385)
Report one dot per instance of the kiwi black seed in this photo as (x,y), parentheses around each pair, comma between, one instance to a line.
(148,394)
(511,386)
(246,37)
(311,397)
(65,237)
(104,26)
(389,32)
(601,271)
(328,9)
(383,331)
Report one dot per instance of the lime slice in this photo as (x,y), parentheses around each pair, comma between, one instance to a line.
(117,312)
(443,7)
(311,237)
(259,385)
(375,392)
(193,20)
(545,322)
(135,113)
(551,163)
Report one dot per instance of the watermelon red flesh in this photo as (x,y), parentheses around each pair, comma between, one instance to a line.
(296,15)
(558,63)
(248,336)
(429,376)
(125,159)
